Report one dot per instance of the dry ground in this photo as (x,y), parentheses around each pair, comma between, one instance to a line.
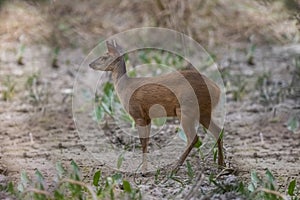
(35,133)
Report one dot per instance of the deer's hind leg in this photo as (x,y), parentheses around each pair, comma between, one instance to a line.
(143,127)
(209,124)
(188,124)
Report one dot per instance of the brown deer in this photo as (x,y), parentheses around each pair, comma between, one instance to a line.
(186,94)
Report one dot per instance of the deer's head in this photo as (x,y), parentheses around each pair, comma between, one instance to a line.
(110,60)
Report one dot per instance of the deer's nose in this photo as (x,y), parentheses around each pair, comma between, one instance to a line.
(91,65)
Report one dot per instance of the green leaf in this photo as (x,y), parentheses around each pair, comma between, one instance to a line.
(190,171)
(39,176)
(60,170)
(157,59)
(292,187)
(144,56)
(108,88)
(221,134)
(40,179)
(58,195)
(271,180)
(126,57)
(241,188)
(24,178)
(211,177)
(251,187)
(254,179)
(11,188)
(117,178)
(96,178)
(106,108)
(120,160)
(24,182)
(132,73)
(198,143)
(126,186)
(112,194)
(126,117)
(215,151)
(99,113)
(21,188)
(270,176)
(293,124)
(56,51)
(22,48)
(76,171)
(109,181)
(159,121)
(157,175)
(181,134)
(252,48)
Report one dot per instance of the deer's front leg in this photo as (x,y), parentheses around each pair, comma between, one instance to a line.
(143,127)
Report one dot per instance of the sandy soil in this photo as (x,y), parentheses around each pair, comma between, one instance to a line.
(36,134)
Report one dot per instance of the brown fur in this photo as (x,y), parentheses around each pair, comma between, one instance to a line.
(186,94)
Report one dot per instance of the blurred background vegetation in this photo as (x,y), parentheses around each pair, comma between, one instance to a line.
(75,23)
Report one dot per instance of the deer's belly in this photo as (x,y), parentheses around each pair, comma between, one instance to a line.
(154,109)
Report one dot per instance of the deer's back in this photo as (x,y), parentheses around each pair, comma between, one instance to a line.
(172,91)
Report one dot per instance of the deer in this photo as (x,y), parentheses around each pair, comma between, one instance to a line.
(185,94)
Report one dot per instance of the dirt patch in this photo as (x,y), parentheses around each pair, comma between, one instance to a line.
(36,122)
(37,136)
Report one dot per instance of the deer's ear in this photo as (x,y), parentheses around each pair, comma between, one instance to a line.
(118,47)
(112,49)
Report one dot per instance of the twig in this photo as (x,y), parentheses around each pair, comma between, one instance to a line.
(271,192)
(37,191)
(230,171)
(195,187)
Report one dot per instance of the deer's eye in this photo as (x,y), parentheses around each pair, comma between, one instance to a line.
(104,58)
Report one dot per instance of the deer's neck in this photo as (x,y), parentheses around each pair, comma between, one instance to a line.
(119,74)
(119,71)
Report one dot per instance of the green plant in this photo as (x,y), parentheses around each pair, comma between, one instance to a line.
(161,58)
(120,160)
(294,85)
(9,89)
(250,54)
(266,188)
(239,88)
(293,124)
(55,57)
(261,85)
(292,190)
(235,84)
(209,61)
(108,103)
(297,64)
(69,185)
(31,85)
(271,91)
(263,188)
(190,170)
(181,134)
(159,121)
(222,188)
(156,176)
(258,188)
(21,51)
